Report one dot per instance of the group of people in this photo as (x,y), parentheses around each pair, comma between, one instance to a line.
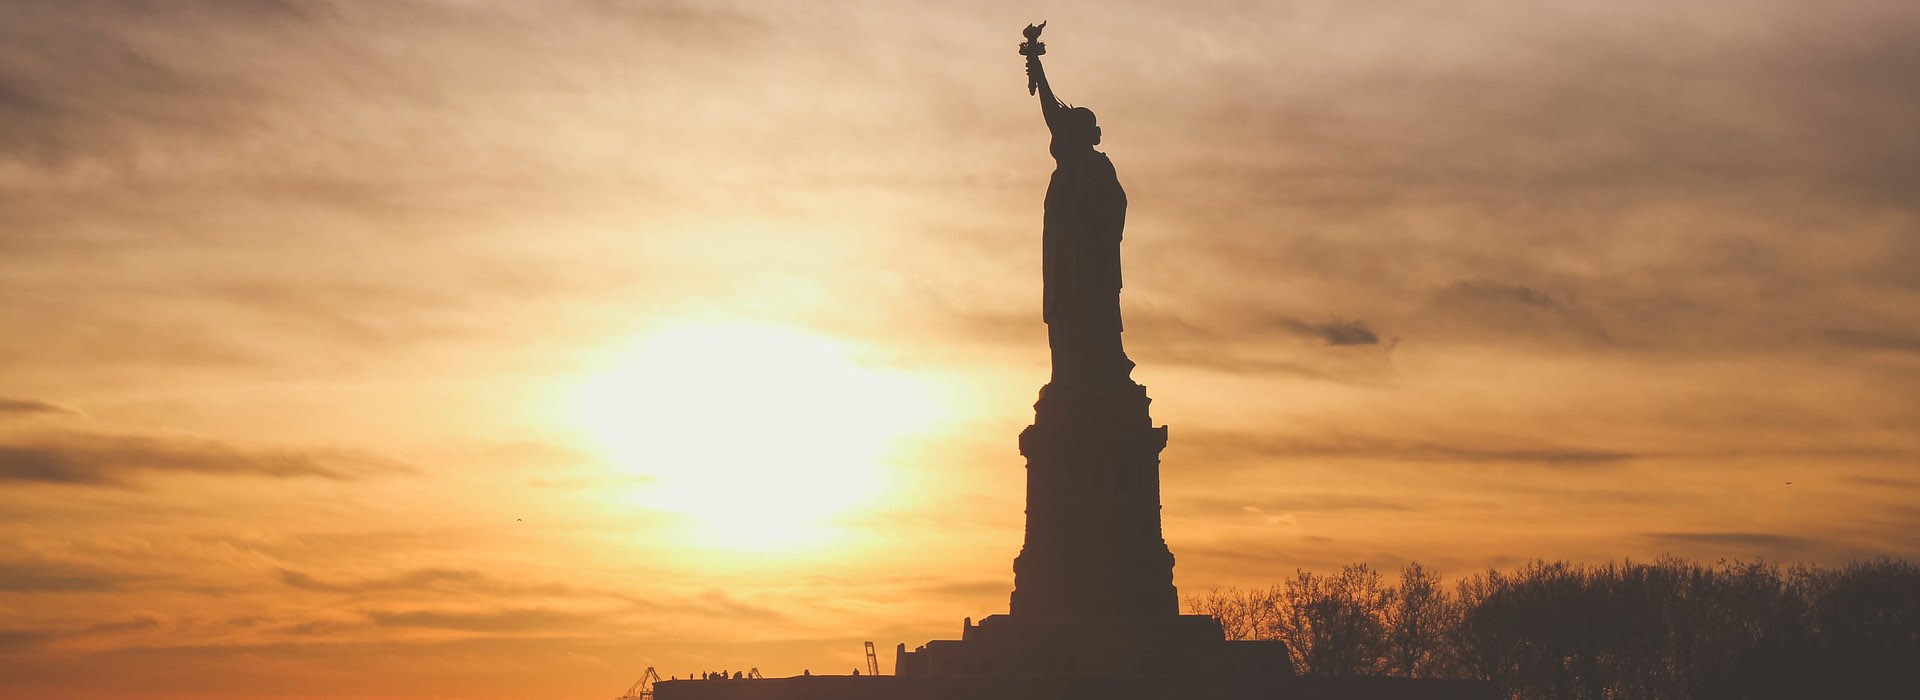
(739,675)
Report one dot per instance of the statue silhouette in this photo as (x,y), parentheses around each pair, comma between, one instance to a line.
(1080,243)
(1093,612)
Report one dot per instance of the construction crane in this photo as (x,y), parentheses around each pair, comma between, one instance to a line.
(873,662)
(642,689)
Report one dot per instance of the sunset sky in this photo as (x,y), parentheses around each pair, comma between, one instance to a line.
(493,350)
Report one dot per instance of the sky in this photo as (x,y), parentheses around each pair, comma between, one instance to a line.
(484,349)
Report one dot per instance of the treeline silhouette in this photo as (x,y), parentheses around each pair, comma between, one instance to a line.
(1671,629)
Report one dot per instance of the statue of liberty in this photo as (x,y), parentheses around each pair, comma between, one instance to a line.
(1080,242)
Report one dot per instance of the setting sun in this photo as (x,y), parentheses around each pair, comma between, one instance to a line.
(758,435)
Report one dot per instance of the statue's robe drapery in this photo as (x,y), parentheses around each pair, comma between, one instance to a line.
(1086,209)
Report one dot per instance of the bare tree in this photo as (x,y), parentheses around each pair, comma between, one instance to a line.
(1419,620)
(1673,629)
(1248,614)
(1335,625)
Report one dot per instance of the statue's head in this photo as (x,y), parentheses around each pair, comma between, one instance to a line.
(1079,127)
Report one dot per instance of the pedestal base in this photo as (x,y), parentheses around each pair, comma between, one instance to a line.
(1172,645)
(1076,688)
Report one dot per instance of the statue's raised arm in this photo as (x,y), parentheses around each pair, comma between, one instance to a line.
(1073,127)
(1032,48)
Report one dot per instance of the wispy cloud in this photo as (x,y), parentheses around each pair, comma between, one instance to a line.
(723,604)
(39,575)
(1333,332)
(515,620)
(446,581)
(119,460)
(18,639)
(32,407)
(1467,449)
(1735,539)
(1266,504)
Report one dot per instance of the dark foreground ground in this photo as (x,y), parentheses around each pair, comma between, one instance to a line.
(906,688)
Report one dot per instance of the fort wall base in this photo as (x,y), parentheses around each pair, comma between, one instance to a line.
(1072,688)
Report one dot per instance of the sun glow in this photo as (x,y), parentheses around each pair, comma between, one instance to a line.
(759,436)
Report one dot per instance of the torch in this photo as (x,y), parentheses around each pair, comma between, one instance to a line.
(1032,49)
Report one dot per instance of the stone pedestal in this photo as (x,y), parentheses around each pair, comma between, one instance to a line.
(1094,548)
(1093,584)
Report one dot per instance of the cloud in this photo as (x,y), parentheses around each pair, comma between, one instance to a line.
(1539,195)
(1735,539)
(1479,308)
(30,406)
(1286,503)
(80,83)
(12,640)
(1891,340)
(965,588)
(306,582)
(514,620)
(443,580)
(718,603)
(118,460)
(1228,359)
(1501,293)
(133,624)
(1885,482)
(1466,449)
(50,576)
(1774,545)
(25,638)
(1253,343)
(1334,333)
(1759,544)
(318,628)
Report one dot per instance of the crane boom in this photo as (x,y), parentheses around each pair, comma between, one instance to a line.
(642,689)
